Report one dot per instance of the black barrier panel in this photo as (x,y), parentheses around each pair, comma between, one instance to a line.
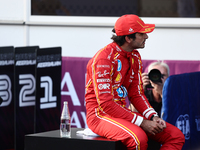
(6,93)
(48,96)
(25,84)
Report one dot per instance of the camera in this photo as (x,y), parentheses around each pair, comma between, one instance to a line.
(155,76)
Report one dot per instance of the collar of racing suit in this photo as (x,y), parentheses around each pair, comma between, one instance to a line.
(130,57)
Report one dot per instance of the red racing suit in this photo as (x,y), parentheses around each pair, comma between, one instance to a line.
(112,75)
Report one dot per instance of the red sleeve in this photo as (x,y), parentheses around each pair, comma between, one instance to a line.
(138,99)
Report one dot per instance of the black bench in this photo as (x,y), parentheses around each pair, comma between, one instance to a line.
(51,140)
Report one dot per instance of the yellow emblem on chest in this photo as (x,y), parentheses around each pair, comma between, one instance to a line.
(118,78)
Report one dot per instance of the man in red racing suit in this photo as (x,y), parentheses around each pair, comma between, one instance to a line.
(113,74)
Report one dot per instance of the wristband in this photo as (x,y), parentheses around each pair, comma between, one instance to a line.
(152,117)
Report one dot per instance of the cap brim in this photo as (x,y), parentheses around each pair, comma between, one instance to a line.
(147,28)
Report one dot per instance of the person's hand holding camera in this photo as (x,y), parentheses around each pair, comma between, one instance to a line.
(145,80)
(158,86)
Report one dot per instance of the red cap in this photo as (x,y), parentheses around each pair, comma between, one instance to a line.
(129,24)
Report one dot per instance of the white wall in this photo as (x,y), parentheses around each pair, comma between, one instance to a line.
(173,38)
(75,41)
(12,10)
(172,44)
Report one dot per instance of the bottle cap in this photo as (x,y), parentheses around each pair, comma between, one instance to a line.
(65,102)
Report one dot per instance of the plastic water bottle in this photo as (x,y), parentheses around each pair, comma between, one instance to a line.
(65,122)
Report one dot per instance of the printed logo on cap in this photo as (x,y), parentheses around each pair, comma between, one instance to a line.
(131,30)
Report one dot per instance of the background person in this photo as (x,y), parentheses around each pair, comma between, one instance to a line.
(154,95)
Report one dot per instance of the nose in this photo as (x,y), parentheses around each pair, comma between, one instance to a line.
(146,36)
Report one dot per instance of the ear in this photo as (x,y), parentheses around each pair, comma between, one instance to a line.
(128,40)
